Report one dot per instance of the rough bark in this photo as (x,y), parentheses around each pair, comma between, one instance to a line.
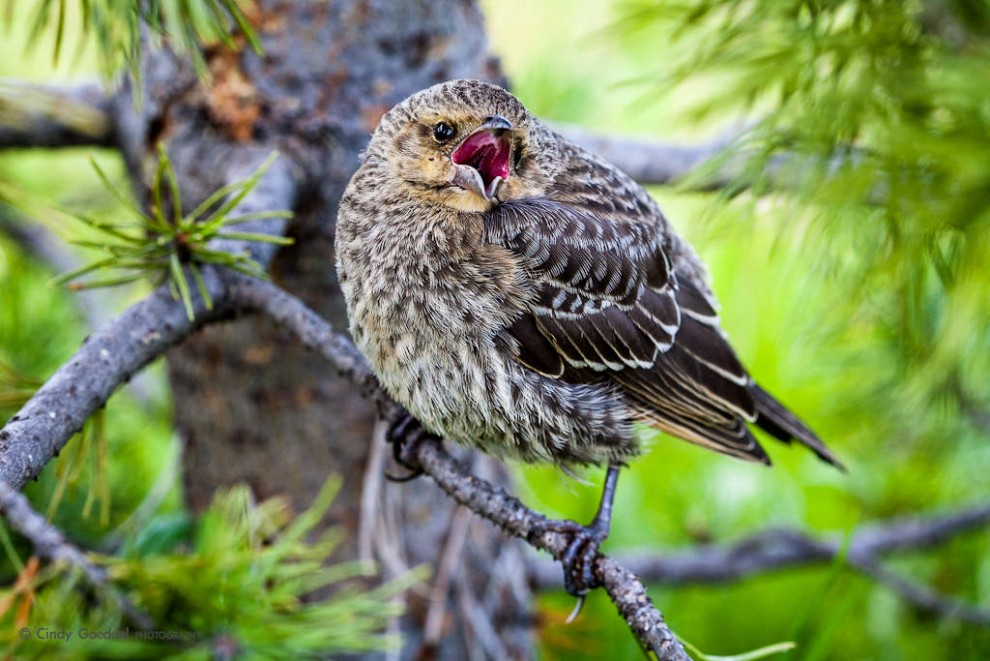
(253,407)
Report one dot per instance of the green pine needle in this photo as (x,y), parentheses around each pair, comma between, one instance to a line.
(170,246)
(753,655)
(115,26)
(252,573)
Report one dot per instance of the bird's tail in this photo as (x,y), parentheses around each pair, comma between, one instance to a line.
(780,423)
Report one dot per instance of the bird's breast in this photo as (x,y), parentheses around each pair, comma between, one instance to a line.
(414,281)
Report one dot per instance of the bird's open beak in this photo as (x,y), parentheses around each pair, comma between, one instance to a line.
(481,162)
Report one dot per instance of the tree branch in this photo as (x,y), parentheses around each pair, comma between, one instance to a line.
(45,116)
(493,503)
(654,162)
(115,352)
(480,496)
(646,161)
(782,549)
(106,359)
(50,544)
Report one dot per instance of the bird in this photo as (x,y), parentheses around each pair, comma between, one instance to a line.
(520,295)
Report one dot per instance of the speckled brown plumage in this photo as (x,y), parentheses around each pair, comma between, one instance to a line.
(539,314)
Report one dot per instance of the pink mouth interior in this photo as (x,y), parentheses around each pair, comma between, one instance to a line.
(487,153)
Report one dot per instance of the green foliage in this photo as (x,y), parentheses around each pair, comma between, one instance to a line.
(115,26)
(15,388)
(253,580)
(87,451)
(880,108)
(833,292)
(165,244)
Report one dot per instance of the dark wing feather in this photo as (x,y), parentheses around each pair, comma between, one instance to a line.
(604,291)
(777,421)
(608,303)
(698,390)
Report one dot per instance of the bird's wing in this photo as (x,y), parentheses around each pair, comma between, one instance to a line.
(698,390)
(608,303)
(604,292)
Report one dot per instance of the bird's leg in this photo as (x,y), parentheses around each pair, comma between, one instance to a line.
(404,433)
(585,541)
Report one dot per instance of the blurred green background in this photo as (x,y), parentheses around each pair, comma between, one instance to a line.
(866,316)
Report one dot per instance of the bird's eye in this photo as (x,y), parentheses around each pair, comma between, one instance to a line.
(442,131)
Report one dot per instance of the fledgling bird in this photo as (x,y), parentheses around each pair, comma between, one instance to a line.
(520,295)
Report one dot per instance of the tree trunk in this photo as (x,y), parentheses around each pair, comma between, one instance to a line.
(249,404)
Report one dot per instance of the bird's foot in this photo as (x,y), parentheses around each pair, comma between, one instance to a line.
(582,548)
(579,557)
(405,433)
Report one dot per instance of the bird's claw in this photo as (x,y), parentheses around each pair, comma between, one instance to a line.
(405,433)
(579,557)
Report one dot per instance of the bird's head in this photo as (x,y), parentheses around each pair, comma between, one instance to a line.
(464,144)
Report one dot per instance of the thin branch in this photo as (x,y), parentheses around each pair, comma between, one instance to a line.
(646,161)
(480,496)
(48,541)
(46,116)
(109,357)
(50,544)
(782,549)
(448,563)
(494,504)
(654,162)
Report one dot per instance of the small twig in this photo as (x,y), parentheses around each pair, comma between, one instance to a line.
(47,116)
(48,541)
(371,486)
(50,544)
(486,643)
